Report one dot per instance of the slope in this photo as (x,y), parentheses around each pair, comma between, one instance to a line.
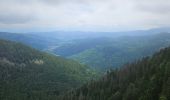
(33,40)
(118,51)
(28,74)
(145,79)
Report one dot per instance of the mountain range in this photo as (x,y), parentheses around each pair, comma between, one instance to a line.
(63,66)
(99,50)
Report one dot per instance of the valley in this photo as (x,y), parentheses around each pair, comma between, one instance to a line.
(100,52)
(44,67)
(84,49)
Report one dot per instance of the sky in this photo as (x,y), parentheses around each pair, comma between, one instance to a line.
(83,15)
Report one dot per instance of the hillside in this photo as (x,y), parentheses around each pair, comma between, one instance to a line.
(114,52)
(101,52)
(33,40)
(145,79)
(28,74)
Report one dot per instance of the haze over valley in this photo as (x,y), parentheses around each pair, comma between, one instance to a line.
(84,50)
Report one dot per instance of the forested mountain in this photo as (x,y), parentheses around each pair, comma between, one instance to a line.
(33,40)
(99,50)
(75,47)
(28,74)
(145,79)
(114,52)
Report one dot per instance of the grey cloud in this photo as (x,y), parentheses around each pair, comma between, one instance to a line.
(85,13)
(158,10)
(153,6)
(58,2)
(16,12)
(15,19)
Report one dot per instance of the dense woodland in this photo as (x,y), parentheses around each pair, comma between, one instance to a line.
(114,52)
(28,74)
(145,79)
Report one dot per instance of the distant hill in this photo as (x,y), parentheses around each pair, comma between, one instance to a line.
(114,52)
(33,40)
(99,50)
(29,74)
(145,79)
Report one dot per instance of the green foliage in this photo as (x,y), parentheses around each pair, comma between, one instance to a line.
(98,52)
(28,74)
(145,79)
(115,52)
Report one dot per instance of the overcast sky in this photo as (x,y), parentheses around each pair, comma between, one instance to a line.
(94,15)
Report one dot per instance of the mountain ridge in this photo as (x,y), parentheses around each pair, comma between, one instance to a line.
(27,73)
(145,79)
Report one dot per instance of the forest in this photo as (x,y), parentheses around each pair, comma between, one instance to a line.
(84,49)
(145,79)
(29,74)
(101,51)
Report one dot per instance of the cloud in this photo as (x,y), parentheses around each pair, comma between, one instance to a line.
(15,18)
(154,6)
(84,14)
(16,12)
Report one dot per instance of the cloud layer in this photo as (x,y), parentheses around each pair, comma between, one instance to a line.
(102,15)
